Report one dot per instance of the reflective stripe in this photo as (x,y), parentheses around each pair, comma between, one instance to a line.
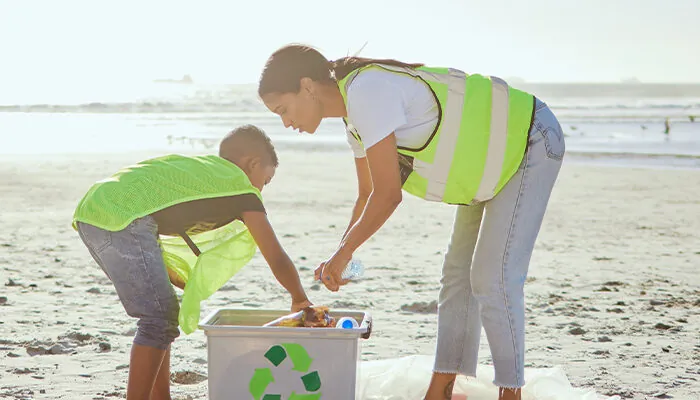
(438,172)
(497,140)
(449,133)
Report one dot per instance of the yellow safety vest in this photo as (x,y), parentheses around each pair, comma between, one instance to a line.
(152,185)
(479,141)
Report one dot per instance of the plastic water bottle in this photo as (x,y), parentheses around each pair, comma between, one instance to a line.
(353,270)
(347,323)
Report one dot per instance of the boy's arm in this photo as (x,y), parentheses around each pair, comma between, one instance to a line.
(278,260)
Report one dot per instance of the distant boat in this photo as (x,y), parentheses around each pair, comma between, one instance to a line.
(184,79)
(633,81)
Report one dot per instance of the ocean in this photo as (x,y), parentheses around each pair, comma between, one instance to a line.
(626,122)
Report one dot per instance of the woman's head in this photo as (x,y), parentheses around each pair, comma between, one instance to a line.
(299,84)
(292,83)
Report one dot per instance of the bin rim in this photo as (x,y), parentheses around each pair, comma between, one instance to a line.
(364,330)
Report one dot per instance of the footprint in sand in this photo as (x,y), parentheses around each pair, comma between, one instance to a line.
(421,307)
(187,377)
(12,283)
(66,344)
(39,349)
(23,371)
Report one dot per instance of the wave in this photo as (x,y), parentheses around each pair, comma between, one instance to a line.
(255,106)
(140,107)
(670,106)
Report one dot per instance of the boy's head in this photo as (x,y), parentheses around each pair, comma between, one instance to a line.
(252,151)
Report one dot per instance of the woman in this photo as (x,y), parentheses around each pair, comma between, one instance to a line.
(444,136)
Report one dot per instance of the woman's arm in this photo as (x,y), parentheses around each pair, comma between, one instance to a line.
(364,190)
(383,168)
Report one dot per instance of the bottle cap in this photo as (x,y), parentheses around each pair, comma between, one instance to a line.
(347,323)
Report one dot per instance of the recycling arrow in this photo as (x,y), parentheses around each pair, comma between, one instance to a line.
(258,383)
(301,361)
(315,396)
(299,356)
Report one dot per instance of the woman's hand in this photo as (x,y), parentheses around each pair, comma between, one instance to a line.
(330,271)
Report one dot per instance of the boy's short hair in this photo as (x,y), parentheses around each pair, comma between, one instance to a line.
(248,140)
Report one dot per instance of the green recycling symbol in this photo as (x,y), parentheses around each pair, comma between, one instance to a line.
(301,362)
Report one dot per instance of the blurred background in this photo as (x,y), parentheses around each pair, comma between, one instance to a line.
(91,76)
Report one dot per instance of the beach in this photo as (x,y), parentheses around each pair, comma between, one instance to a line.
(612,296)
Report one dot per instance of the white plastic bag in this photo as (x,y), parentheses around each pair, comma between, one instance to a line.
(407,378)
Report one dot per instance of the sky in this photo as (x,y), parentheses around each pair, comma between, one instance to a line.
(229,41)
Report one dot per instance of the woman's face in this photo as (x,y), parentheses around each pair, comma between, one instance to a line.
(303,111)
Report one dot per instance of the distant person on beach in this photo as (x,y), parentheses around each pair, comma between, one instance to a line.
(193,221)
(443,136)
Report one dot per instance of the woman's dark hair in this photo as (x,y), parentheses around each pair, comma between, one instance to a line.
(286,66)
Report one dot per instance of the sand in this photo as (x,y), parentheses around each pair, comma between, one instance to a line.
(613,293)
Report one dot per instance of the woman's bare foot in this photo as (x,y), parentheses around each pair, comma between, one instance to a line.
(509,394)
(441,386)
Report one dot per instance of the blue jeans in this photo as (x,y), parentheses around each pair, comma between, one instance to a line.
(133,260)
(487,260)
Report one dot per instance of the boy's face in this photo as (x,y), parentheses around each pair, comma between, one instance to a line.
(260,173)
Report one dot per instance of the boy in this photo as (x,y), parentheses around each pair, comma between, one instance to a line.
(200,201)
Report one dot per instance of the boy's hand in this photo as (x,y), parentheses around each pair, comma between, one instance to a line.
(175,279)
(300,305)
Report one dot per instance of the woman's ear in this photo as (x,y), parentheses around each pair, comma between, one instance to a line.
(306,85)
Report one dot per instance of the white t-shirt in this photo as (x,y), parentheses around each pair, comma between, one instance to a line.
(381,102)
